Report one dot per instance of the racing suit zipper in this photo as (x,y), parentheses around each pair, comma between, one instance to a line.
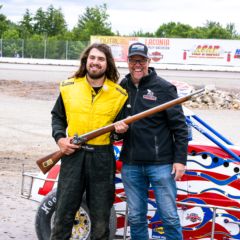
(131,132)
(95,96)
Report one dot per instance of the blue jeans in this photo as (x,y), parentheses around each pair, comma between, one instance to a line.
(137,179)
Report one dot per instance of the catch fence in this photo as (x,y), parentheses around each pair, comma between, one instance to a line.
(42,49)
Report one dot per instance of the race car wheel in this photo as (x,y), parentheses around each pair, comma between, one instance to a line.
(82,224)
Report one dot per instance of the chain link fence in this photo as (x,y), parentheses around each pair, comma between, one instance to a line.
(44,49)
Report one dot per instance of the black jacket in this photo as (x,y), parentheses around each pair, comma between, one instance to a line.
(161,138)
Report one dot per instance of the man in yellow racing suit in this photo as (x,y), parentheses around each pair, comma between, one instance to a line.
(89,100)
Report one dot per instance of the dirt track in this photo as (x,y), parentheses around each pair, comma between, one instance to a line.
(26,135)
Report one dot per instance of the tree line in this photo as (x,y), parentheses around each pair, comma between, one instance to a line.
(51,24)
(44,34)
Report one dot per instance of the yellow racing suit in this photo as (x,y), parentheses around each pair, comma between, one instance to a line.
(87,111)
(79,109)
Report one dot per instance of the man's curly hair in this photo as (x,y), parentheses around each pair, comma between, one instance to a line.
(111,71)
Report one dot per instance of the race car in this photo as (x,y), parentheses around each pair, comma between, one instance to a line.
(208,197)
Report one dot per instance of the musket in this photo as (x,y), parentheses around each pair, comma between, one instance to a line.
(46,163)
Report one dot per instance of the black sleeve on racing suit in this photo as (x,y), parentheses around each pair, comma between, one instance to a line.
(59,120)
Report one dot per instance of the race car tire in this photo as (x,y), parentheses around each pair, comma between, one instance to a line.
(45,215)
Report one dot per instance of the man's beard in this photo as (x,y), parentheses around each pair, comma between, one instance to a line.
(96,76)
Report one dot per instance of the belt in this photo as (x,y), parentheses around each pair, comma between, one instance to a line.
(96,148)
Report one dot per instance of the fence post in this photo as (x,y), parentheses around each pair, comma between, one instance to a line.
(66,50)
(1,53)
(45,48)
(22,48)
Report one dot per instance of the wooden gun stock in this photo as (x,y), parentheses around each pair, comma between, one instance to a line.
(46,163)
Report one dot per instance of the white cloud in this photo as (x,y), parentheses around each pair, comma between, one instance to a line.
(134,15)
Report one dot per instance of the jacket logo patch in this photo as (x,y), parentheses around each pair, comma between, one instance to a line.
(150,95)
(66,83)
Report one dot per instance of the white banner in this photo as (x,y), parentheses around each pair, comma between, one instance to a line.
(210,52)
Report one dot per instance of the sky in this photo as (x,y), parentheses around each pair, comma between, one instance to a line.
(128,16)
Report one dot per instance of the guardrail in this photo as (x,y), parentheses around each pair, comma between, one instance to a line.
(163,66)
